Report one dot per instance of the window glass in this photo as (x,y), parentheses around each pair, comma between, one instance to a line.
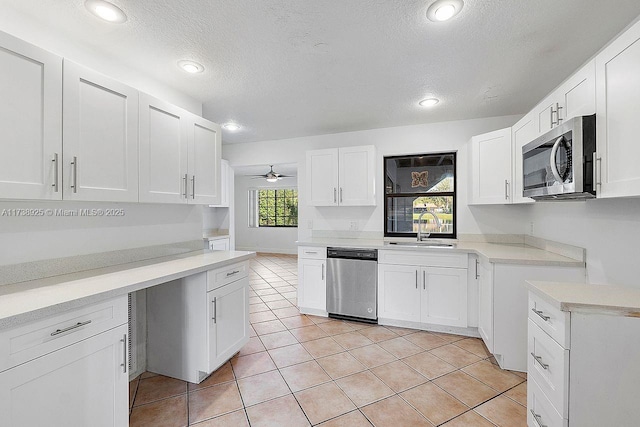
(273,208)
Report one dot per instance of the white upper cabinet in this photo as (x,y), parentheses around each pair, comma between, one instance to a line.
(226,189)
(30,121)
(491,168)
(163,151)
(617,116)
(205,145)
(522,133)
(100,127)
(342,176)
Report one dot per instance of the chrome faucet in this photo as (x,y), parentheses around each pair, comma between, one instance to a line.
(421,236)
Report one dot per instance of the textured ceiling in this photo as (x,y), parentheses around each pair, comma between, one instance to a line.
(286,68)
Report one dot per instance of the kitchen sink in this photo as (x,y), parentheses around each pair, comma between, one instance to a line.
(422,244)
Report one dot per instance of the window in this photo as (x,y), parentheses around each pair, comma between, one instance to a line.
(420,191)
(273,207)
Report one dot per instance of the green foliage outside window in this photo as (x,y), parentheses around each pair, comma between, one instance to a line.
(278,208)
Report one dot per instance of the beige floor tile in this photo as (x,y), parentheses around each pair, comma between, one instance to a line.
(503,412)
(273,297)
(262,316)
(520,374)
(290,295)
(133,387)
(252,364)
(335,328)
(234,419)
(400,347)
(289,355)
(304,375)
(262,387)
(322,347)
(158,387)
(401,331)
(278,339)
(258,285)
(273,305)
(213,401)
(429,365)
(465,388)
(280,412)
(450,338)
(469,419)
(270,327)
(295,322)
(364,388)
(518,394)
(308,333)
(378,333)
(324,402)
(352,419)
(320,319)
(170,412)
(253,346)
(399,376)
(352,340)
(493,376)
(434,403)
(283,313)
(455,356)
(147,374)
(394,412)
(266,291)
(286,289)
(257,307)
(426,340)
(372,355)
(475,346)
(340,365)
(221,375)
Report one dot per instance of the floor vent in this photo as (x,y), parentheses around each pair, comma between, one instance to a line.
(133,353)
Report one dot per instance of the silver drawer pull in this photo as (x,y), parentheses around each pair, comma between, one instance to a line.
(233,272)
(541,314)
(77,325)
(125,362)
(538,418)
(310,252)
(538,359)
(215,310)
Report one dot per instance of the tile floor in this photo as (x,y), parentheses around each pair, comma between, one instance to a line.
(302,370)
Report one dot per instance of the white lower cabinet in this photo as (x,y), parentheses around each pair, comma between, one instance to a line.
(312,280)
(195,324)
(219,244)
(398,289)
(77,380)
(485,303)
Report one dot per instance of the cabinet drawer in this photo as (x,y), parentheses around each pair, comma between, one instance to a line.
(24,343)
(554,322)
(548,365)
(423,258)
(312,252)
(228,274)
(540,411)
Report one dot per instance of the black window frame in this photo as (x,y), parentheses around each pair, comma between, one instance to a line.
(453,193)
(275,207)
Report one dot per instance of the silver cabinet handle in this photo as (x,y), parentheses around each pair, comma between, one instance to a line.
(55,172)
(74,174)
(506,189)
(193,187)
(597,177)
(335,197)
(310,252)
(322,271)
(538,418)
(215,310)
(124,351)
(552,121)
(67,329)
(477,275)
(424,280)
(340,194)
(185,194)
(538,359)
(416,279)
(233,272)
(541,314)
(558,108)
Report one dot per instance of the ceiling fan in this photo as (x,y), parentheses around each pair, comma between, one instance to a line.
(271,176)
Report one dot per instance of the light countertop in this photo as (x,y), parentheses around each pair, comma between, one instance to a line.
(26,301)
(500,253)
(609,299)
(215,234)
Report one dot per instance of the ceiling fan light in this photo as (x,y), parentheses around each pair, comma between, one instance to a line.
(443,10)
(272,179)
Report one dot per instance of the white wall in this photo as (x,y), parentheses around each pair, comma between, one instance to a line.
(261,239)
(415,139)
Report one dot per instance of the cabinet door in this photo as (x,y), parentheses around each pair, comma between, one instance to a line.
(163,151)
(219,245)
(322,177)
(30,121)
(84,384)
(578,94)
(357,175)
(312,289)
(617,113)
(398,292)
(523,133)
(485,304)
(228,321)
(444,296)
(491,168)
(545,115)
(205,145)
(100,127)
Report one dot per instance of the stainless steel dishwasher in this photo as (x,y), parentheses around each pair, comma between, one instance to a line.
(352,284)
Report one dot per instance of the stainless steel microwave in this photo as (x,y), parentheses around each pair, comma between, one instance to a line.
(560,163)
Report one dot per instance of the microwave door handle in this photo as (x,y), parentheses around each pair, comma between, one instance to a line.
(552,160)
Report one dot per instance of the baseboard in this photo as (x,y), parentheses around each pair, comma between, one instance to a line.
(467,332)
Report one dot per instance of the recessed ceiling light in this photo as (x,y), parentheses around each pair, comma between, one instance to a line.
(429,102)
(231,126)
(106,11)
(443,10)
(191,66)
